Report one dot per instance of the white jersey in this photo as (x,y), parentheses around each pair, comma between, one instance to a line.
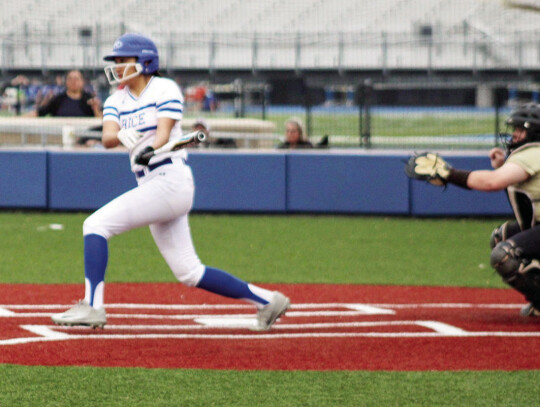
(161,200)
(161,98)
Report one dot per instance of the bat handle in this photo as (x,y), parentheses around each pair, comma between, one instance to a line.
(148,155)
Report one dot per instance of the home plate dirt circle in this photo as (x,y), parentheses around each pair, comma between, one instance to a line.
(329,327)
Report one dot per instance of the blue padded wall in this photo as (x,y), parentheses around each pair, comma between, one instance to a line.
(23,180)
(87,181)
(346,184)
(275,182)
(239,182)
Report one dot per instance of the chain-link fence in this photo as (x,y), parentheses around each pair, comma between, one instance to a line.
(305,58)
(459,115)
(369,114)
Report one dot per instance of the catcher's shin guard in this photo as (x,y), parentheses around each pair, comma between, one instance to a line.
(521,274)
(503,232)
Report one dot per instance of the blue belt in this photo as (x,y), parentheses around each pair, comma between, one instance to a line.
(152,167)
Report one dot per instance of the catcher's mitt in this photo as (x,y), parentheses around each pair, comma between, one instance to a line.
(428,167)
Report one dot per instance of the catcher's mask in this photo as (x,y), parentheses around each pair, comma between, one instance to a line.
(526,117)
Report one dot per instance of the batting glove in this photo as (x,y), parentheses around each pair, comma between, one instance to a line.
(129,137)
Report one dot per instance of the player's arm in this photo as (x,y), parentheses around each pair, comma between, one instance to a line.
(49,107)
(109,138)
(163,131)
(95,104)
(497,157)
(495,180)
(434,169)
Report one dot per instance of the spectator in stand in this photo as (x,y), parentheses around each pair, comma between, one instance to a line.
(13,93)
(211,142)
(210,102)
(294,135)
(47,91)
(202,125)
(73,102)
(32,93)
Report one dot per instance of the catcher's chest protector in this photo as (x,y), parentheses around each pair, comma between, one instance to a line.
(523,207)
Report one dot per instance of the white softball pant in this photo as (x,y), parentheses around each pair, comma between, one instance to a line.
(162,200)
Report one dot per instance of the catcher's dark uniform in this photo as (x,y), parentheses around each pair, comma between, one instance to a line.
(516,244)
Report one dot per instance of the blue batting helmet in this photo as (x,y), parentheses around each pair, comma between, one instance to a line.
(138,46)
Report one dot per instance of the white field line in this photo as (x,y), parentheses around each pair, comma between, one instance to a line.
(48,333)
(54,336)
(244,321)
(184,307)
(450,305)
(357,309)
(350,310)
(5,312)
(195,316)
(210,323)
(442,328)
(292,314)
(181,307)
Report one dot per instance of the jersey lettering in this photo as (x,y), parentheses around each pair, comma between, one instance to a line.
(133,121)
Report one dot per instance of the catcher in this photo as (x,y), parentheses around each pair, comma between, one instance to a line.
(515,244)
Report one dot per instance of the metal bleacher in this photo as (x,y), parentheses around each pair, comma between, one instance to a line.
(272,34)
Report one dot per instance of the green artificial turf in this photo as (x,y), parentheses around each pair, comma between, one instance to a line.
(273,249)
(84,386)
(269,249)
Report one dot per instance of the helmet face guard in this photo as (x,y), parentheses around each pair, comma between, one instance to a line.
(526,117)
(507,140)
(111,71)
(132,46)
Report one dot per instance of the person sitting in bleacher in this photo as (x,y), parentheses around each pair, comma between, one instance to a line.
(295,135)
(212,142)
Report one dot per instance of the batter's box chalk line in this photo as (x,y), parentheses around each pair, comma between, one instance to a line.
(330,327)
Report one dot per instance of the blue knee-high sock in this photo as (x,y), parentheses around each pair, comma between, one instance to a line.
(96,255)
(222,283)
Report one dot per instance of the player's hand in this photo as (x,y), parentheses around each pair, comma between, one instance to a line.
(144,156)
(497,156)
(95,104)
(20,80)
(129,137)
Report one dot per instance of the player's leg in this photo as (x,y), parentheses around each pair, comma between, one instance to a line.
(174,241)
(504,232)
(516,260)
(529,243)
(136,208)
(148,203)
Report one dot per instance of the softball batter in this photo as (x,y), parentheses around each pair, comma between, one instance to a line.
(144,115)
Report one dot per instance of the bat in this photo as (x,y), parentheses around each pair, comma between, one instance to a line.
(195,137)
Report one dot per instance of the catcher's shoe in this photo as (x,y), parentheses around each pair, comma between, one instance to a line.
(271,312)
(529,311)
(81,314)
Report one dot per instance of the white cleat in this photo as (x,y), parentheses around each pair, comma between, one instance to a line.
(81,314)
(271,312)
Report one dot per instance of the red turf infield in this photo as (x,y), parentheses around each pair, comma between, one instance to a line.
(329,327)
